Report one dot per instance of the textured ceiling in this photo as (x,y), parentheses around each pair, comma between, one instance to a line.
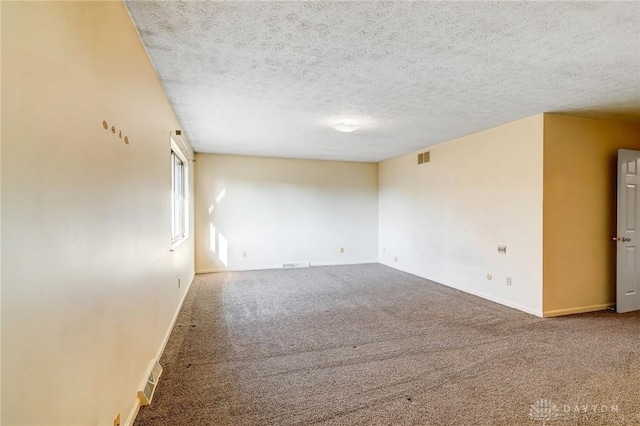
(272,78)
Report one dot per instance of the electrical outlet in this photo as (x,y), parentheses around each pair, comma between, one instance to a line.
(384,250)
(116,421)
(244,254)
(396,258)
(508,280)
(341,249)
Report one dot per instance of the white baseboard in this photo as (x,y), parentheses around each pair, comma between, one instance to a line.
(498,300)
(165,340)
(356,262)
(476,293)
(495,299)
(578,310)
(248,268)
(136,406)
(279,266)
(133,413)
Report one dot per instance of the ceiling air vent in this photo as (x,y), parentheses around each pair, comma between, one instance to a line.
(423,157)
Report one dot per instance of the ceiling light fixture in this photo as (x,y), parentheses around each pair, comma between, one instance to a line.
(346,127)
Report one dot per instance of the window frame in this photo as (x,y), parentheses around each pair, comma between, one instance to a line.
(179,200)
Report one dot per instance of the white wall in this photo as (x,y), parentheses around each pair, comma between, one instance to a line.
(444,220)
(283,211)
(89,286)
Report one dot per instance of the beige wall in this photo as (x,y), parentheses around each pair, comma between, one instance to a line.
(444,220)
(580,160)
(89,286)
(271,211)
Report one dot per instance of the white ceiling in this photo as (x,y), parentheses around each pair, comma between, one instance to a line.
(272,78)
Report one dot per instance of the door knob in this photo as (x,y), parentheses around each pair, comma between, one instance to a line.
(616,238)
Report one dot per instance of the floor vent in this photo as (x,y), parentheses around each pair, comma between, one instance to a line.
(296,265)
(146,394)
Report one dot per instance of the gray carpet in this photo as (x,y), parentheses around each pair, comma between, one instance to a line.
(369,345)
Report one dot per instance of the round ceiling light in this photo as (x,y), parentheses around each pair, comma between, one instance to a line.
(346,127)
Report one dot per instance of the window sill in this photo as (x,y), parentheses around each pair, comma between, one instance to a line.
(177,243)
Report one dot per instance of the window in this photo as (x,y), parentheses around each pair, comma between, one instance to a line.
(179,196)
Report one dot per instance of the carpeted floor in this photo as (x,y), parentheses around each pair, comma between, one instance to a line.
(369,345)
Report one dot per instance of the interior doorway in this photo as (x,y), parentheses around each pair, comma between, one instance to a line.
(627,238)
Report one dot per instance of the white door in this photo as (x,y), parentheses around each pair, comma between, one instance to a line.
(628,238)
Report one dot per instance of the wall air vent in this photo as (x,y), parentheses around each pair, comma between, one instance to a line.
(423,157)
(296,265)
(146,394)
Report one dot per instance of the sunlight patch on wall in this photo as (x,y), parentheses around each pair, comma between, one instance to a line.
(221,196)
(223,250)
(212,237)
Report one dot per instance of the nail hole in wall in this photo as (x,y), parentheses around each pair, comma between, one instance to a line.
(114,130)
